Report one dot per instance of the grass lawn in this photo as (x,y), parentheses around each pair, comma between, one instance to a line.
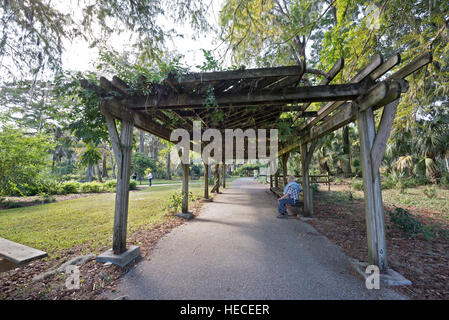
(84,221)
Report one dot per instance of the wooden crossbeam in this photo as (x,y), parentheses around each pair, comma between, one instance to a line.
(336,68)
(281,95)
(140,119)
(379,95)
(375,62)
(238,74)
(411,67)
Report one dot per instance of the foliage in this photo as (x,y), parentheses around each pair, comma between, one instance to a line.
(405,221)
(140,163)
(132,185)
(445,180)
(357,185)
(70,187)
(23,159)
(79,107)
(91,187)
(33,32)
(243,169)
(430,192)
(174,201)
(111,185)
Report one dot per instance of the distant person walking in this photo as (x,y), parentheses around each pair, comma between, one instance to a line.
(150,177)
(135,176)
(291,196)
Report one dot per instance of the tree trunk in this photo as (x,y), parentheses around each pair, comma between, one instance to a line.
(185,188)
(216,187)
(223,167)
(206,181)
(105,168)
(99,172)
(142,142)
(284,159)
(89,173)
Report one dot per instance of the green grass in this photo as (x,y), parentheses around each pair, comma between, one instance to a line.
(84,221)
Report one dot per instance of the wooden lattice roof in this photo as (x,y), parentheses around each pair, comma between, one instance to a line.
(255,98)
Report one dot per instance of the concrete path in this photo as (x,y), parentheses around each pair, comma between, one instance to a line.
(237,249)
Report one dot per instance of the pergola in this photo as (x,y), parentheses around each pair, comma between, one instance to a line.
(256,98)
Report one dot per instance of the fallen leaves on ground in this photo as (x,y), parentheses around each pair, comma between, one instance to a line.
(424,262)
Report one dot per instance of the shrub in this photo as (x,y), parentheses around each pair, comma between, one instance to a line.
(357,185)
(51,187)
(91,187)
(388,184)
(405,221)
(70,177)
(133,185)
(400,186)
(444,181)
(315,188)
(70,187)
(430,192)
(174,201)
(110,185)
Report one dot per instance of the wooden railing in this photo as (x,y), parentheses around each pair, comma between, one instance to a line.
(319,178)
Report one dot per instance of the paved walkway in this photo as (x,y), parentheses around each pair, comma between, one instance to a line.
(237,249)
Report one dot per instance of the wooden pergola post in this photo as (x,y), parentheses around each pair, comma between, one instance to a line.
(284,159)
(206,181)
(122,146)
(216,172)
(276,179)
(223,170)
(271,181)
(185,188)
(372,147)
(306,157)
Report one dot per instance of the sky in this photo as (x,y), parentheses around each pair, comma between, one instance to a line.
(78,56)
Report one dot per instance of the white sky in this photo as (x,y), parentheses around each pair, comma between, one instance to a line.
(78,56)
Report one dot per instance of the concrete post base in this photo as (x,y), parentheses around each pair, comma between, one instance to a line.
(187,215)
(389,278)
(122,259)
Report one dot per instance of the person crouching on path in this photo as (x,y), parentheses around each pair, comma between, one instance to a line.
(150,177)
(291,196)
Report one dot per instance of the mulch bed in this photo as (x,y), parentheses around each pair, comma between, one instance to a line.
(96,278)
(424,262)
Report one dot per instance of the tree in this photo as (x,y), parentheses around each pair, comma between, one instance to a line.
(23,159)
(140,162)
(32,32)
(273,32)
(89,158)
